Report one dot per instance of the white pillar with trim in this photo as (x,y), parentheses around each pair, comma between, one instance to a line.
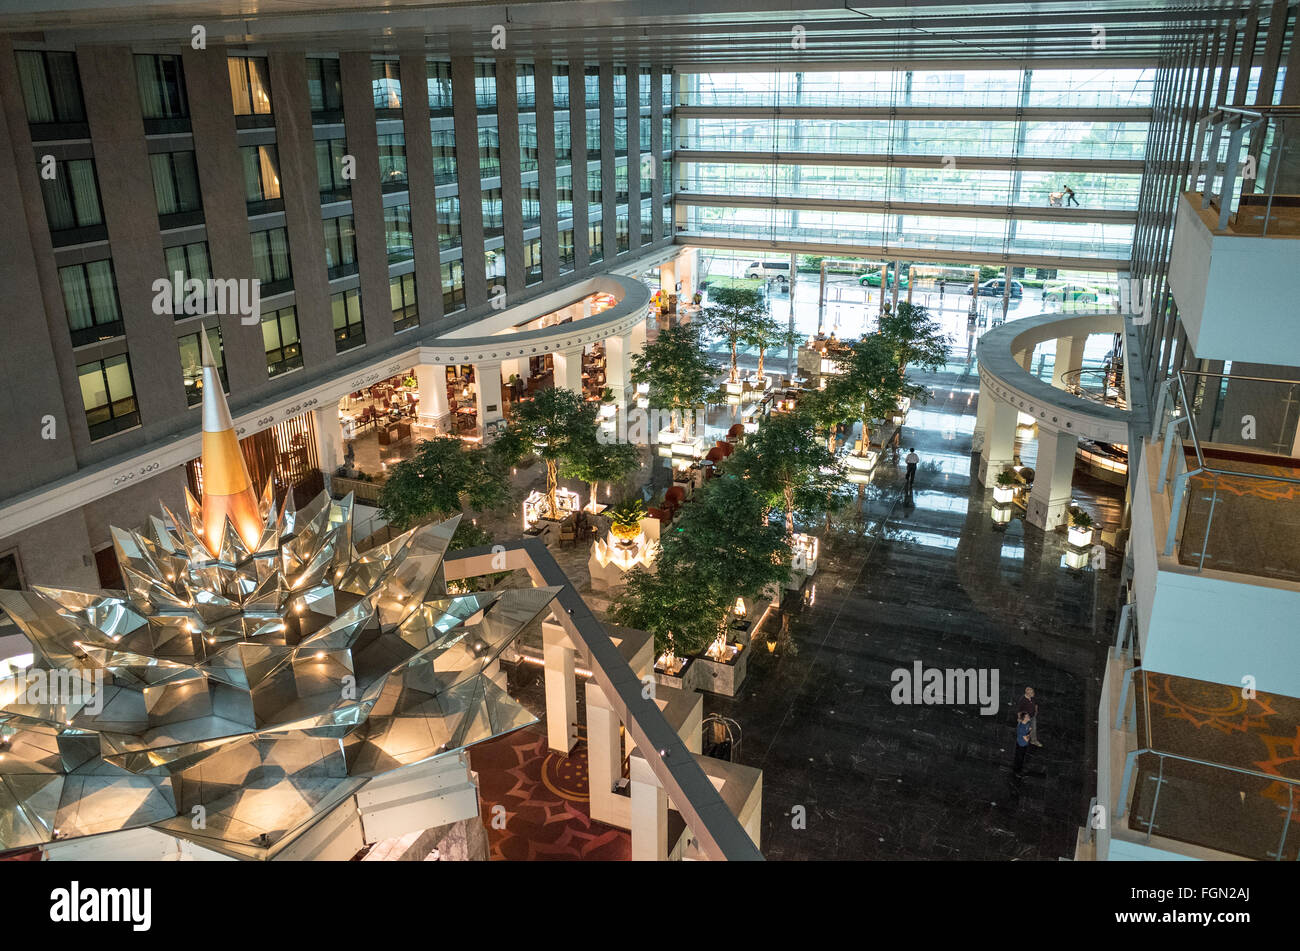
(435,411)
(487,395)
(649,813)
(561,688)
(329,437)
(1069,358)
(568,369)
(1049,499)
(617,366)
(999,449)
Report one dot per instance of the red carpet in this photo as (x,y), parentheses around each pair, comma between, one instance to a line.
(544,796)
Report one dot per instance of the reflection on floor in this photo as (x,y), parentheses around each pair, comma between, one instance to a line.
(927,576)
(1243,524)
(1241,812)
(541,800)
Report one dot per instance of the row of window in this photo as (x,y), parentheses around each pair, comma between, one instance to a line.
(51,87)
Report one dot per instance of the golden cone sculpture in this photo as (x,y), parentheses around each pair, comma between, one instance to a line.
(227,489)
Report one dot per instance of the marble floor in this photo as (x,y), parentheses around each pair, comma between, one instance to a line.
(927,577)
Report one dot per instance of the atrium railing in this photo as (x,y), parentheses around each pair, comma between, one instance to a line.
(1237,508)
(1212,805)
(1104,385)
(1248,168)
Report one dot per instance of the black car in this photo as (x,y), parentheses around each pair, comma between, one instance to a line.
(993,288)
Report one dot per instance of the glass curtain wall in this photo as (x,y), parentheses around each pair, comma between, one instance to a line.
(911,169)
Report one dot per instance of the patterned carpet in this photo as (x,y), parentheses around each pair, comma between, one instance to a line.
(1220,808)
(543,799)
(1255,527)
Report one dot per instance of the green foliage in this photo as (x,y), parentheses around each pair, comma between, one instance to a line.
(733,314)
(788,463)
(556,425)
(869,385)
(594,462)
(444,474)
(717,284)
(767,333)
(916,337)
(1080,519)
(679,374)
(626,514)
(1007,478)
(720,548)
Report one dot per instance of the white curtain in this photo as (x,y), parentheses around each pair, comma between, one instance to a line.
(76,298)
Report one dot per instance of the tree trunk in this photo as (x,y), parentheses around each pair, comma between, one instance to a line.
(762,351)
(789,510)
(594,485)
(551,502)
(735,371)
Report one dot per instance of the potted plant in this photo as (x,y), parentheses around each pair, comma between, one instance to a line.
(410,382)
(625,519)
(1005,490)
(1080,531)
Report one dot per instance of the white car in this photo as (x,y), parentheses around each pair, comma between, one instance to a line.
(778,271)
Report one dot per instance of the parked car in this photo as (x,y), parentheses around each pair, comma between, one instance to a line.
(778,271)
(993,288)
(1060,292)
(873,278)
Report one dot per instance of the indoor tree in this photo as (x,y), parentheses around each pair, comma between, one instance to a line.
(787,460)
(443,476)
(722,548)
(678,372)
(732,314)
(557,425)
(915,337)
(595,462)
(869,383)
(768,333)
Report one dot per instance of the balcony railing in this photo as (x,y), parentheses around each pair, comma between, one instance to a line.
(1248,169)
(1213,805)
(1227,445)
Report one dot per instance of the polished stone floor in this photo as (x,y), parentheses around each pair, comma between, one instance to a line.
(928,577)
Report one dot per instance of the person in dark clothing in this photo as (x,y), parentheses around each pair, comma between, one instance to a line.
(1069,197)
(912,460)
(1022,742)
(1029,705)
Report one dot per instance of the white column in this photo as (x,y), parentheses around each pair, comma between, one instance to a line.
(668,277)
(434,409)
(1053,477)
(568,369)
(604,756)
(649,814)
(1069,357)
(329,437)
(617,366)
(1026,358)
(999,438)
(561,688)
(487,394)
(983,411)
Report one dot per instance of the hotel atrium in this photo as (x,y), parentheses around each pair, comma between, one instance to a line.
(609,430)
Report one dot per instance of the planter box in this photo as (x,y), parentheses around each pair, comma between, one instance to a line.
(720,678)
(681,680)
(1003,494)
(1080,537)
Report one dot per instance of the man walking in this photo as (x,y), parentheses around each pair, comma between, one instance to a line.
(1029,707)
(912,461)
(1069,197)
(1022,742)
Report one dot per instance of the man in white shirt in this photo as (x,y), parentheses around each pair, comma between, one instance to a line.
(912,461)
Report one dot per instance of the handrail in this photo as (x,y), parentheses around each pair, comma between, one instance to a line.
(1202,465)
(1237,178)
